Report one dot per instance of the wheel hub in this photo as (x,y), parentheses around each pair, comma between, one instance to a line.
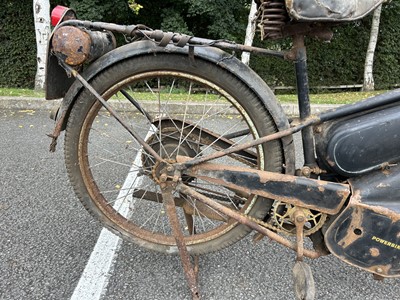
(168,145)
(162,171)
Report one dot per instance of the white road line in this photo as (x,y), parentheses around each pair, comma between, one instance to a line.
(94,279)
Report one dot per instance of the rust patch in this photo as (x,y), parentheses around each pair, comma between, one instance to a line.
(394,216)
(180,241)
(381,270)
(246,220)
(374,252)
(72,43)
(326,197)
(355,230)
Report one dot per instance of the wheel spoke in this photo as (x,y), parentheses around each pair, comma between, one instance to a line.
(175,113)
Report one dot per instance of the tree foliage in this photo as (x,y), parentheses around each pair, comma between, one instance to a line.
(338,62)
(224,19)
(342,60)
(135,7)
(117,11)
(18,46)
(387,61)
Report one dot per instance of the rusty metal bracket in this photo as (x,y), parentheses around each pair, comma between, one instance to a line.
(323,196)
(190,271)
(137,31)
(304,285)
(275,136)
(243,219)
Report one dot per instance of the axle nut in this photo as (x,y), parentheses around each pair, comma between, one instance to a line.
(163,177)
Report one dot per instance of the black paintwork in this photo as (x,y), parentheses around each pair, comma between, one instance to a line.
(376,203)
(377,243)
(359,145)
(57,80)
(304,104)
(327,197)
(380,188)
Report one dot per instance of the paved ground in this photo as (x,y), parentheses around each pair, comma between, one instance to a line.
(40,103)
(46,239)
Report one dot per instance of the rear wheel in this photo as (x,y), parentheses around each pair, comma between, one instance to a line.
(179,107)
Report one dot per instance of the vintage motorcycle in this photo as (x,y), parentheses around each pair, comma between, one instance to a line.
(174,144)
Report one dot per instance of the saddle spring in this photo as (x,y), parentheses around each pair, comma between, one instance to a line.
(271,17)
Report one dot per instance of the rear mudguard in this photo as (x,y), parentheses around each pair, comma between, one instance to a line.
(214,55)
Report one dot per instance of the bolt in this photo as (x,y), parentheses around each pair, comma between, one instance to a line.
(318,129)
(379,270)
(170,168)
(306,171)
(291,55)
(163,177)
(300,219)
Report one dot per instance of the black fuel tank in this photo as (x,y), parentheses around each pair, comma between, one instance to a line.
(359,145)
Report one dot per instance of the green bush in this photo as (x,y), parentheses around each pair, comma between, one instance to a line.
(342,60)
(18,45)
(339,62)
(387,60)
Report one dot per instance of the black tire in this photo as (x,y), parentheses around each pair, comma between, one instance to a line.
(107,166)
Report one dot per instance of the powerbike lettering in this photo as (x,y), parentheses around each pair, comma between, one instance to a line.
(387,243)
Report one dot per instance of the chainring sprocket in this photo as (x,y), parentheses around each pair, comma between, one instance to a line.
(282,218)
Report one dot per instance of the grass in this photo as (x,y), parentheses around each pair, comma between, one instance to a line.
(17,92)
(322,98)
(331,98)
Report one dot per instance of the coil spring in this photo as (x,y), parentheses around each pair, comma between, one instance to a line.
(271,17)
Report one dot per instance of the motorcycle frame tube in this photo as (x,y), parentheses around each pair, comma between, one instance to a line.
(303,94)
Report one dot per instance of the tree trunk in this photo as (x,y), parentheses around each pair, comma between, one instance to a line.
(41,14)
(369,84)
(250,31)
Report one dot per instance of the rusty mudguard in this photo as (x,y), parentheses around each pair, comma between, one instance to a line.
(367,233)
(141,48)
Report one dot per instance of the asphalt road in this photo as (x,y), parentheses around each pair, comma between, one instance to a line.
(46,238)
